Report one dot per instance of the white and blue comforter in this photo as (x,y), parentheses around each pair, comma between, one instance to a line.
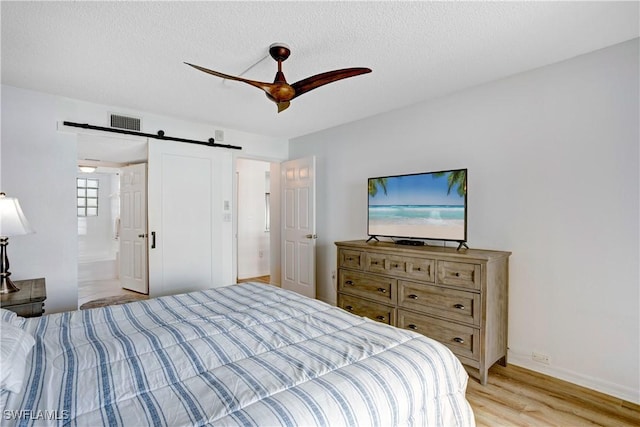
(246,354)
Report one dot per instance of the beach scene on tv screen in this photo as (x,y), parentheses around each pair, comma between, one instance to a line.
(428,206)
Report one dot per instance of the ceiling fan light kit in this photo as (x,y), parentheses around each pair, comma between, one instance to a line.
(281,92)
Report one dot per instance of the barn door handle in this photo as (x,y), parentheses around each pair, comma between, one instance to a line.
(153,240)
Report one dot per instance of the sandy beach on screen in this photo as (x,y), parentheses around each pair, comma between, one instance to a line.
(454,231)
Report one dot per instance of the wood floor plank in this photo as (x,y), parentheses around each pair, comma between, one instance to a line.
(516,396)
(260,279)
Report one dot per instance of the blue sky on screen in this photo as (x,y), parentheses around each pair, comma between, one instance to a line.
(420,189)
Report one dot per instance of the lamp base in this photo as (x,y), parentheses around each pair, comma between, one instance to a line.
(7,286)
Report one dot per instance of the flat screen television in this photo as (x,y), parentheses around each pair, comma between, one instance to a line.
(429,206)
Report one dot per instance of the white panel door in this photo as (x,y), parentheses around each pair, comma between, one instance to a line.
(190,221)
(299,226)
(133,228)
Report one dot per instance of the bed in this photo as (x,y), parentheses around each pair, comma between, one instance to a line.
(249,354)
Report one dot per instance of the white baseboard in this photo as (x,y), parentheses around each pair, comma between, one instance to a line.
(615,390)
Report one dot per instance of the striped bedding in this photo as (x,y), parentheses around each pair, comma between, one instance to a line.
(247,354)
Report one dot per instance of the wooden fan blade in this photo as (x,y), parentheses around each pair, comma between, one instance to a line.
(310,83)
(267,87)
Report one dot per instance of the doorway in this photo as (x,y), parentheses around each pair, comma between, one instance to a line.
(254,235)
(98,183)
(98,210)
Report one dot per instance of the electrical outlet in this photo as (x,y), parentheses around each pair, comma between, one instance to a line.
(540,358)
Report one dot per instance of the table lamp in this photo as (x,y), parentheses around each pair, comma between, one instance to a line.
(12,223)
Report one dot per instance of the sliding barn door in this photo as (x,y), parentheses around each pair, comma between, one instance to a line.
(190,218)
(299,226)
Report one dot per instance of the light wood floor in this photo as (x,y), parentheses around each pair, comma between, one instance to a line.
(515,396)
(261,279)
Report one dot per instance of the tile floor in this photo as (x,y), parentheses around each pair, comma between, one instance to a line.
(94,289)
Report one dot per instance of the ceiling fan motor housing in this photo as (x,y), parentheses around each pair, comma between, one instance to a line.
(279,51)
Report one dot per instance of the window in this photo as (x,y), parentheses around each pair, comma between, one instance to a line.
(87,197)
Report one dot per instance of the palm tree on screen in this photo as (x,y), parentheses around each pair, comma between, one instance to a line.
(374,183)
(456,179)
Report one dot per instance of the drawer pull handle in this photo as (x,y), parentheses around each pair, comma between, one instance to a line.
(348,282)
(380,317)
(383,290)
(349,308)
(459,340)
(459,306)
(457,274)
(396,265)
(374,262)
(349,258)
(413,296)
(418,269)
(413,327)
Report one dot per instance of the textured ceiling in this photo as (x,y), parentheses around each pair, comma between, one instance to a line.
(131,54)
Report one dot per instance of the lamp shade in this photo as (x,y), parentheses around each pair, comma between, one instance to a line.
(12,220)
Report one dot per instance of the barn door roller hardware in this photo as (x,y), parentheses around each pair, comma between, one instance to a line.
(160,135)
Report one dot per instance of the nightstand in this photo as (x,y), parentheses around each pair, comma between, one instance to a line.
(29,300)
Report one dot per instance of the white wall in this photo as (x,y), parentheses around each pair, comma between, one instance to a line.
(253,239)
(553,177)
(38,166)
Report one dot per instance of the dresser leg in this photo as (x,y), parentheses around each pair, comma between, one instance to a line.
(484,375)
(503,360)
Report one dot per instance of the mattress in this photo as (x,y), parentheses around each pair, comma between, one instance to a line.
(249,354)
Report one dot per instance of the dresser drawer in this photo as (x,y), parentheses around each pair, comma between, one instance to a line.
(408,267)
(461,306)
(370,286)
(462,340)
(350,259)
(459,274)
(376,263)
(378,312)
(420,269)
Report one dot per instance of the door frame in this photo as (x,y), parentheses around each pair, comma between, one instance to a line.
(274,214)
(131,157)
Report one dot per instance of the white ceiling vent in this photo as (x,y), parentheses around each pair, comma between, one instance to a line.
(124,122)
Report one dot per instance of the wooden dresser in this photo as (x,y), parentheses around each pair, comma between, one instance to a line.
(459,298)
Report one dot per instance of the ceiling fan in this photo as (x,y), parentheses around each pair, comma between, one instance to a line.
(282,92)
